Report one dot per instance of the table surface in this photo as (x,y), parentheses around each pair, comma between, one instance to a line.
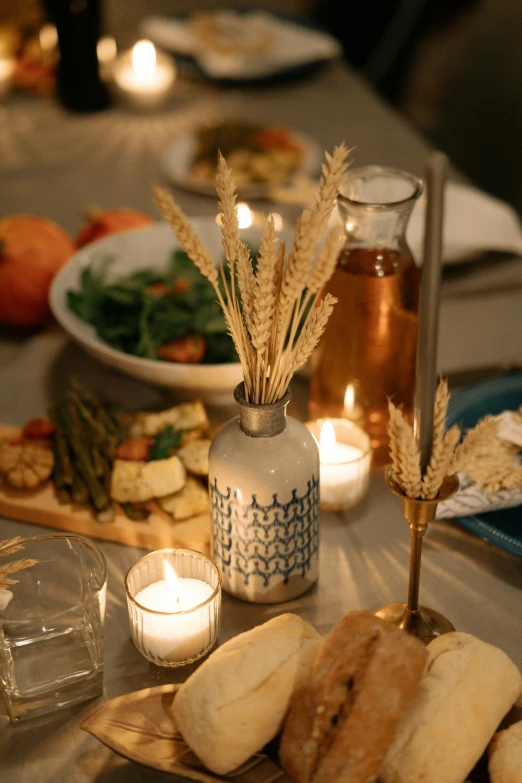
(54,164)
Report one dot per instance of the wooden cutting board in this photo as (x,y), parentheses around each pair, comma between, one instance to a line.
(41,507)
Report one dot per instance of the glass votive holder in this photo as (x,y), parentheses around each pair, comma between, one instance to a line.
(345,461)
(51,624)
(174,603)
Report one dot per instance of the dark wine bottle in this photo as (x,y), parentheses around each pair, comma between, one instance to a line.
(78,23)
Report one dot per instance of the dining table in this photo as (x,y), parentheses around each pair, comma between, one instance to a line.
(55,164)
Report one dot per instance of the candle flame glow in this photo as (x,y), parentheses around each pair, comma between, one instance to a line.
(349,398)
(48,37)
(327,440)
(172,580)
(106,50)
(244,215)
(144,58)
(278,221)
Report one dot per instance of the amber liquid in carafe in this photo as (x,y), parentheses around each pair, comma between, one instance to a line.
(369,342)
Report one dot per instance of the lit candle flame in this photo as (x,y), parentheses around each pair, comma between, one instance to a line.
(106,50)
(244,215)
(172,580)
(144,58)
(278,221)
(48,37)
(327,441)
(349,398)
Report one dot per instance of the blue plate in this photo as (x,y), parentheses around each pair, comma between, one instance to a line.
(502,528)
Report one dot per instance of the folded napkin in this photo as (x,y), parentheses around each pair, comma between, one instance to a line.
(472,499)
(474,223)
(291,45)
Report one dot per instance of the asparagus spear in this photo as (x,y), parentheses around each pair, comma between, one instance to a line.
(99,411)
(79,491)
(62,492)
(61,449)
(80,447)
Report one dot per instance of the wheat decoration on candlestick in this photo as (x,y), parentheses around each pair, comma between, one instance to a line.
(422,470)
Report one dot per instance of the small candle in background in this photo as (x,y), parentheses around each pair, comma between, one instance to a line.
(48,37)
(144,76)
(174,619)
(345,457)
(106,51)
(351,410)
(245,216)
(7,67)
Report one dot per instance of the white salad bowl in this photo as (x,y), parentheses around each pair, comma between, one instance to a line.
(131,251)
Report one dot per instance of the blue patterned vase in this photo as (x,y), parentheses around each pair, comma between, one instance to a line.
(264,496)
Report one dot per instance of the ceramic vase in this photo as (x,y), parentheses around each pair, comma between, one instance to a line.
(264,497)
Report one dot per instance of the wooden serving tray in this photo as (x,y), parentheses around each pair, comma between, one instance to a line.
(41,507)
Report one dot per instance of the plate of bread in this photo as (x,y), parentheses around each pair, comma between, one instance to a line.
(365,703)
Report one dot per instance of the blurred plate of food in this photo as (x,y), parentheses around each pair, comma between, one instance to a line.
(135,302)
(251,46)
(260,157)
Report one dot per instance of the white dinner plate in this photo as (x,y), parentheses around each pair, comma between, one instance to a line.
(177,161)
(293,46)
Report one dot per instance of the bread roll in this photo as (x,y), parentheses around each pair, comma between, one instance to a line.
(505,755)
(468,688)
(236,701)
(343,716)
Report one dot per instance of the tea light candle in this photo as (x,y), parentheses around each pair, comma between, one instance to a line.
(174,619)
(345,457)
(144,76)
(106,51)
(7,66)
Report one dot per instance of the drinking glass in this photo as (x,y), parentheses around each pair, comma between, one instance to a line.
(51,631)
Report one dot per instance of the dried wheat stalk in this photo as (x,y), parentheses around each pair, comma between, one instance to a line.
(440,463)
(485,458)
(274,315)
(488,460)
(14,566)
(404,452)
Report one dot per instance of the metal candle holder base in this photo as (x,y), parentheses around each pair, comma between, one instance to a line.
(417,620)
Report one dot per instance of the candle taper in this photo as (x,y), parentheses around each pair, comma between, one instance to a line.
(426,368)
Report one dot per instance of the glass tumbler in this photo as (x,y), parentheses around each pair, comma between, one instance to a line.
(51,631)
(174,603)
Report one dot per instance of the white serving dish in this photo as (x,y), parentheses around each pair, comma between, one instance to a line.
(133,250)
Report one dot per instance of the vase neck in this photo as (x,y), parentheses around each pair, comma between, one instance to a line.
(261,421)
(375,205)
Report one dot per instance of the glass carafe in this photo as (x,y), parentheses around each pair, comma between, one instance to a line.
(367,353)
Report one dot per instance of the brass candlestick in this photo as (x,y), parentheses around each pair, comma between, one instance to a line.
(417,620)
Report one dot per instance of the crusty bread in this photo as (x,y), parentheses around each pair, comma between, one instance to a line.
(343,716)
(236,701)
(468,688)
(505,755)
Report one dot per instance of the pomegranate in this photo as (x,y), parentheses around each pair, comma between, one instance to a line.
(32,250)
(102,223)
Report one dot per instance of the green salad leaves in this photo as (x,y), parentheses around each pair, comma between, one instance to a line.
(155,314)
